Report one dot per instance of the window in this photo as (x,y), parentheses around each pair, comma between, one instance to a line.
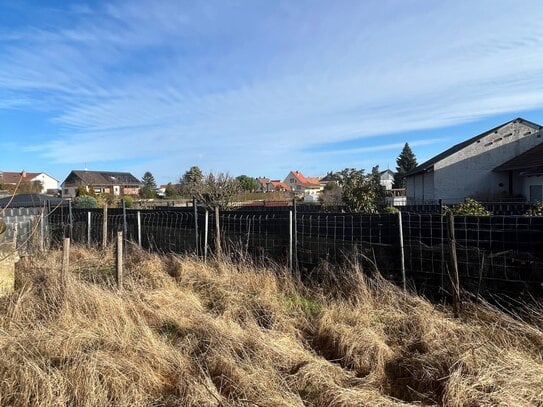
(536,193)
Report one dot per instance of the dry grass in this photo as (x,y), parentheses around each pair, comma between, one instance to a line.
(185,333)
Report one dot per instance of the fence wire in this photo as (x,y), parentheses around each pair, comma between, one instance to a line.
(495,253)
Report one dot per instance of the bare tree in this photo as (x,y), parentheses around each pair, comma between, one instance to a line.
(216,190)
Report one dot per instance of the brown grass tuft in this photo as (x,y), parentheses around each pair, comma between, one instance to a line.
(222,334)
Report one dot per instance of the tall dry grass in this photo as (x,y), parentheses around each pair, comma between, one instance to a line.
(186,333)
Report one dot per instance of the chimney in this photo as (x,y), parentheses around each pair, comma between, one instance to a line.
(23,174)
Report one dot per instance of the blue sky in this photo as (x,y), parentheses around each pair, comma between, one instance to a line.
(258,87)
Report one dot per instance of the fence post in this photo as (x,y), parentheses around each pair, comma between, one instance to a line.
(42,230)
(404,280)
(139,228)
(104,227)
(290,241)
(206,232)
(125,226)
(89,232)
(455,280)
(217,232)
(65,260)
(71,218)
(195,212)
(119,262)
(295,235)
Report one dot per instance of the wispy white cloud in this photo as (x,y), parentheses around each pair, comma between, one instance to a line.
(251,85)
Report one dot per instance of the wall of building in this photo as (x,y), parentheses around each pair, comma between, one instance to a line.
(469,172)
(420,187)
(47,182)
(527,182)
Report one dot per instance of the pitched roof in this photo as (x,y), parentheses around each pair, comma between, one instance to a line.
(305,181)
(528,163)
(9,177)
(105,177)
(280,184)
(428,165)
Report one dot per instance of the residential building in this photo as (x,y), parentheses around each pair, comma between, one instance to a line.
(107,182)
(298,183)
(48,183)
(387,179)
(482,167)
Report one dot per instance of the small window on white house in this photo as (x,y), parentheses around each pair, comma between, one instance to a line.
(536,193)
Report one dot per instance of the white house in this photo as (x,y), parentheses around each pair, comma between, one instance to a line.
(475,168)
(47,182)
(386,179)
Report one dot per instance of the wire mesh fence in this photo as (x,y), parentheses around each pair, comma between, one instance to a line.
(495,253)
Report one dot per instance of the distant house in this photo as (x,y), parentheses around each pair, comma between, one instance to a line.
(387,179)
(108,182)
(277,185)
(264,184)
(47,182)
(501,163)
(306,186)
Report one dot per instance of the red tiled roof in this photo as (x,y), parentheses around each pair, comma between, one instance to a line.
(279,184)
(306,181)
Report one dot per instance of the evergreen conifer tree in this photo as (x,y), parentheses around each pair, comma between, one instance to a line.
(406,162)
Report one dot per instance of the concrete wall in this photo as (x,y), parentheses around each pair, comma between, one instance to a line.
(527,181)
(469,172)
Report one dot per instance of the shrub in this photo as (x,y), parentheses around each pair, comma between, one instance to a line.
(536,209)
(128,201)
(85,201)
(470,207)
(391,209)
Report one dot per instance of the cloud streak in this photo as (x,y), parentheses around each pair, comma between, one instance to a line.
(254,86)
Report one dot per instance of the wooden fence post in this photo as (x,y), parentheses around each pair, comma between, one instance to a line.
(218,251)
(104,227)
(119,261)
(455,279)
(294,237)
(402,254)
(65,260)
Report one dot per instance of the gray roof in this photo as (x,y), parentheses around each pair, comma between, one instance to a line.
(31,201)
(528,163)
(428,165)
(104,178)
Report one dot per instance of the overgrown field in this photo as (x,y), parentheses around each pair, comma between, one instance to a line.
(183,333)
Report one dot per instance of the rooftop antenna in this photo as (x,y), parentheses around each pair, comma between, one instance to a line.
(85,166)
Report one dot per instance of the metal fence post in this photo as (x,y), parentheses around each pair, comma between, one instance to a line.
(125,226)
(400,227)
(119,261)
(195,212)
(71,218)
(290,241)
(139,228)
(295,236)
(65,260)
(89,229)
(104,227)
(42,230)
(218,252)
(206,232)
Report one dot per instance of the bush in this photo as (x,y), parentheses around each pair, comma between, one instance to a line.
(536,209)
(391,209)
(470,207)
(85,201)
(128,201)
